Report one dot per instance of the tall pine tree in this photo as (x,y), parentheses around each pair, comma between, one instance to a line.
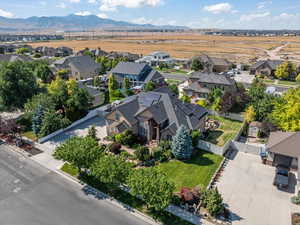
(182,147)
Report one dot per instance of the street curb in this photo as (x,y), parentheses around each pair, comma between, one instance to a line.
(96,192)
(110,199)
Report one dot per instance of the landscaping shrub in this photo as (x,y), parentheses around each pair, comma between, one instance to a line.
(92,132)
(126,138)
(142,153)
(296,200)
(114,148)
(212,201)
(195,137)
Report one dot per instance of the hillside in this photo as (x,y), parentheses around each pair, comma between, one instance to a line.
(71,23)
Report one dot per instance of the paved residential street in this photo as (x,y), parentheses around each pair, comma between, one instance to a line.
(32,195)
(246,186)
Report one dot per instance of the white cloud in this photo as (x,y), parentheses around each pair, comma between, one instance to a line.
(158,22)
(254,16)
(219,8)
(7,14)
(83,13)
(102,15)
(262,5)
(62,5)
(92,1)
(112,5)
(74,1)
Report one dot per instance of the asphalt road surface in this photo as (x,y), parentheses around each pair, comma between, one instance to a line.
(32,195)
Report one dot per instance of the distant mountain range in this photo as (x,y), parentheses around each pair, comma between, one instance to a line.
(72,23)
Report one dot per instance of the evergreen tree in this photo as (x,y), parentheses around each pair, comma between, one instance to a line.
(196,65)
(182,147)
(92,132)
(37,119)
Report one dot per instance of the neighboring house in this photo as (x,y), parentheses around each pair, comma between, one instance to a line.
(155,58)
(79,67)
(54,52)
(283,149)
(137,73)
(94,92)
(14,57)
(265,67)
(211,64)
(127,55)
(154,115)
(95,52)
(199,84)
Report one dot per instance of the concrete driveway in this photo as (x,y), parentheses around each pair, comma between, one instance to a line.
(246,187)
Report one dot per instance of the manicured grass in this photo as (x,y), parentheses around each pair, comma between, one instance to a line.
(30,135)
(173,71)
(289,83)
(227,131)
(125,197)
(197,171)
(267,81)
(171,81)
(69,169)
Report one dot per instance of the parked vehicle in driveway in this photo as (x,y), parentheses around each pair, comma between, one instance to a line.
(281,179)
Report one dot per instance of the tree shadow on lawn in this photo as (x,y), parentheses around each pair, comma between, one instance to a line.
(213,136)
(199,158)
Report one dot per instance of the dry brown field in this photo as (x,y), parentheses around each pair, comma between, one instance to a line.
(236,49)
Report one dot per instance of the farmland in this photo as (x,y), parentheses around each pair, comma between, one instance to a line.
(236,49)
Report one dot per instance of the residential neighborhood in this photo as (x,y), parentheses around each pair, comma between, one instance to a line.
(94,130)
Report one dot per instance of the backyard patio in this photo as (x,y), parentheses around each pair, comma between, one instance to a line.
(226,130)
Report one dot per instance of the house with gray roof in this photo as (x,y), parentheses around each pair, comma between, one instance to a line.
(137,73)
(199,84)
(265,67)
(154,115)
(156,58)
(14,57)
(79,67)
(210,64)
(283,149)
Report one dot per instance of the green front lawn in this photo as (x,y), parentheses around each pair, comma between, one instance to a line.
(173,71)
(227,131)
(288,83)
(30,135)
(69,169)
(172,81)
(197,171)
(125,197)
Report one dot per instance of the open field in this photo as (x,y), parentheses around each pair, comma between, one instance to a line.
(236,49)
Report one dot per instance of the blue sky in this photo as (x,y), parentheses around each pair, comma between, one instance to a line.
(253,14)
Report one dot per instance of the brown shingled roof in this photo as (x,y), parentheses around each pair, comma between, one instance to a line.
(284,143)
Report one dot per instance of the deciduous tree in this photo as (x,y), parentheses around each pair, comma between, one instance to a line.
(152,186)
(111,169)
(80,152)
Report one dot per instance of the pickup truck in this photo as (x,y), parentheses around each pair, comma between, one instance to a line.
(281,179)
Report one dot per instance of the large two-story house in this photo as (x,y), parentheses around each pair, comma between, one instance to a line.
(265,67)
(211,64)
(78,67)
(199,84)
(154,115)
(156,58)
(137,73)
